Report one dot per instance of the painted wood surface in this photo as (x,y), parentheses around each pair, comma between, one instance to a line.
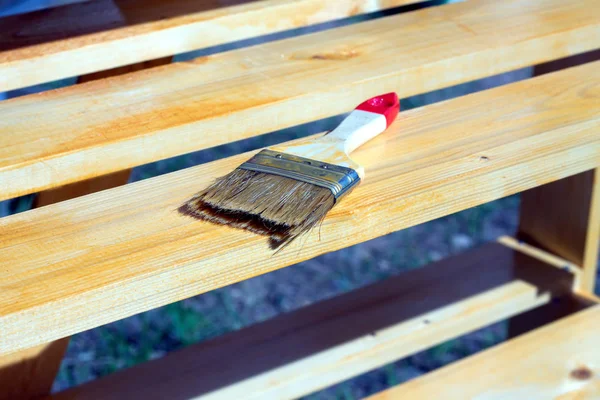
(95,35)
(71,134)
(556,362)
(85,262)
(331,341)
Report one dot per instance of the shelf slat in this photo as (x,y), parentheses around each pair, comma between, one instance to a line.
(91,36)
(557,361)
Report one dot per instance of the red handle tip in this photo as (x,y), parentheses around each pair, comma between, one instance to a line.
(387,105)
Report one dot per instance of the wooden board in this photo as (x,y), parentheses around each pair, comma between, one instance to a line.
(102,34)
(558,361)
(84,262)
(101,127)
(103,182)
(566,62)
(30,373)
(564,217)
(331,341)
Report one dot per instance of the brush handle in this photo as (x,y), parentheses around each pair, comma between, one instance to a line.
(368,120)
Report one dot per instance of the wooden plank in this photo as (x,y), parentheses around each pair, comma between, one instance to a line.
(103,34)
(30,373)
(564,217)
(101,127)
(88,261)
(104,182)
(325,343)
(558,361)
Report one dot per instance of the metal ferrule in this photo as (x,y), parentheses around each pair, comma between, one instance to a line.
(330,176)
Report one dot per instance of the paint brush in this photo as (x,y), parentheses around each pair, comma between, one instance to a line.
(284,191)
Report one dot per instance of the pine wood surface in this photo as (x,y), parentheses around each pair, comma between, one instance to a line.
(91,36)
(84,262)
(558,361)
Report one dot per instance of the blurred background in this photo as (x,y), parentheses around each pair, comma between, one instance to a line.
(150,335)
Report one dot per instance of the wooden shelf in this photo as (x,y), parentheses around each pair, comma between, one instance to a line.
(297,353)
(73,264)
(557,361)
(85,262)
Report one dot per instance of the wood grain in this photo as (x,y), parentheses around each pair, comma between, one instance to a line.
(323,344)
(84,262)
(76,133)
(103,182)
(30,373)
(558,361)
(103,34)
(564,217)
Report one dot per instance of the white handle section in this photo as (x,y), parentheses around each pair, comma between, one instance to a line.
(356,129)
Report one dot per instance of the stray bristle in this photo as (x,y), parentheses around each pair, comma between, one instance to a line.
(271,205)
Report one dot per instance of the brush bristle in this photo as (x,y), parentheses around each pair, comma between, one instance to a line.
(279,207)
